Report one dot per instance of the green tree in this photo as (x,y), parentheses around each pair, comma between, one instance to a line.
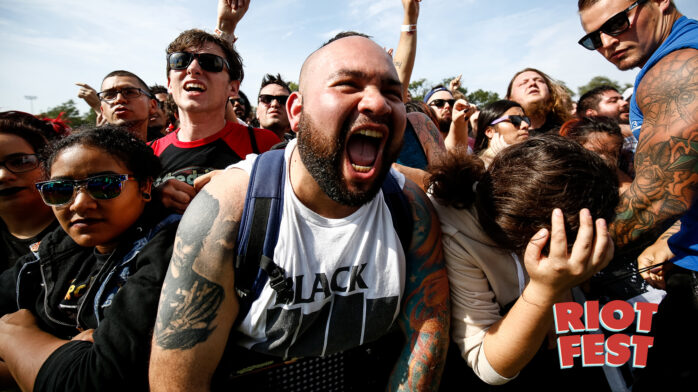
(418,89)
(597,81)
(293,86)
(71,114)
(460,89)
(482,97)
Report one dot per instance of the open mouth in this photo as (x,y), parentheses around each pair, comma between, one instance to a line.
(362,149)
(194,87)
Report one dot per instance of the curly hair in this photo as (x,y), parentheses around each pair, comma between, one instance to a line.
(34,131)
(115,141)
(515,197)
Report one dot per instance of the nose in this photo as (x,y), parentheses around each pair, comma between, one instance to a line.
(607,41)
(524,126)
(374,102)
(5,173)
(194,67)
(82,201)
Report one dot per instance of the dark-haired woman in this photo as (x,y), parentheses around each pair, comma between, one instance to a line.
(24,218)
(88,299)
(500,124)
(496,229)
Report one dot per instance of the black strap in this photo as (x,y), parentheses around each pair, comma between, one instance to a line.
(253,140)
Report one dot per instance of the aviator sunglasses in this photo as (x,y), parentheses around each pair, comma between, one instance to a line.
(515,120)
(20,163)
(614,26)
(208,62)
(439,103)
(102,187)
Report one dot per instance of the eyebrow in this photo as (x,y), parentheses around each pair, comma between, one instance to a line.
(108,172)
(390,81)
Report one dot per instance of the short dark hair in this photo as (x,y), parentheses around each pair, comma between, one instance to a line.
(489,113)
(246,103)
(34,131)
(345,34)
(592,98)
(121,72)
(115,141)
(271,79)
(158,89)
(195,38)
(579,129)
(516,196)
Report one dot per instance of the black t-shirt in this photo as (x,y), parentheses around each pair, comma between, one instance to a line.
(12,248)
(79,287)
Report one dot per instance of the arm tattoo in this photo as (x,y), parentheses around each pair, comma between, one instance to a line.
(426,311)
(189,302)
(666,161)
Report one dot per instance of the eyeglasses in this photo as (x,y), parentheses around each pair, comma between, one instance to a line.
(515,120)
(266,99)
(62,192)
(208,61)
(439,103)
(126,92)
(614,26)
(236,100)
(20,163)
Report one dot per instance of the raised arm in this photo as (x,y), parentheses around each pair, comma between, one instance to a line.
(667,152)
(198,303)
(407,46)
(230,12)
(426,316)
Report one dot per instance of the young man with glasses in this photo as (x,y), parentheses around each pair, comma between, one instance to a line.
(655,36)
(126,100)
(203,72)
(271,105)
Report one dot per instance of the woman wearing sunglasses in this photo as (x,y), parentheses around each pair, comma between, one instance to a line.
(508,262)
(24,218)
(88,299)
(500,124)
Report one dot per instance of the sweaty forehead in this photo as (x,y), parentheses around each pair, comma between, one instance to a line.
(349,55)
(598,13)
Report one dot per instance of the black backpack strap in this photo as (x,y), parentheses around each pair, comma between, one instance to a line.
(400,210)
(253,140)
(259,232)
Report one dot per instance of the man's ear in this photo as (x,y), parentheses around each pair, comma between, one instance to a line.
(591,113)
(153,107)
(234,88)
(294,107)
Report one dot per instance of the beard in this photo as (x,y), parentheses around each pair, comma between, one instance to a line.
(322,157)
(444,126)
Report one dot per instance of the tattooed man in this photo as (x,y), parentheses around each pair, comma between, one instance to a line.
(351,278)
(654,35)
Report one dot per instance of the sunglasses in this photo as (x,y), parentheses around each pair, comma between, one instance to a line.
(126,92)
(515,120)
(266,99)
(439,103)
(20,163)
(102,187)
(208,62)
(614,26)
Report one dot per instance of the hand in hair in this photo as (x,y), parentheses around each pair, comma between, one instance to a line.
(554,274)
(176,195)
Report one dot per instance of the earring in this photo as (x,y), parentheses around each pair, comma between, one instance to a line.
(146,196)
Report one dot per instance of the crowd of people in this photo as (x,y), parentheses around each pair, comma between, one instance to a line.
(345,236)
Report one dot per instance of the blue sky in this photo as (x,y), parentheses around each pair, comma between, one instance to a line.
(48,45)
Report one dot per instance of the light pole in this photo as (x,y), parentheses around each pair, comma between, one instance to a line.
(31,99)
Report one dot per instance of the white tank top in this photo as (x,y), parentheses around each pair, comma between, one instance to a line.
(348,278)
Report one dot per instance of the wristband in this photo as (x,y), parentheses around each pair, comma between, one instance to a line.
(225,36)
(409,28)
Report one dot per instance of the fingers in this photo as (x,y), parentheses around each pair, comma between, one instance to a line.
(176,195)
(84,85)
(535,246)
(581,250)
(603,247)
(558,238)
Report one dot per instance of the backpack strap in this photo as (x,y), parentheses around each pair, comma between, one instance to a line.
(259,232)
(400,210)
(253,140)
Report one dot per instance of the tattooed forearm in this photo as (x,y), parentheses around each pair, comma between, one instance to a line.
(190,301)
(426,310)
(666,161)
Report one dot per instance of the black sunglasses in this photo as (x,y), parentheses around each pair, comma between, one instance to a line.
(614,26)
(20,163)
(208,61)
(102,187)
(515,120)
(266,99)
(126,92)
(439,103)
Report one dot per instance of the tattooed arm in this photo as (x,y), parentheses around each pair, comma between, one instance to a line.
(198,303)
(407,46)
(666,162)
(426,316)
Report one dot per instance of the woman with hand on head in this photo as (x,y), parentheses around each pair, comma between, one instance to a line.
(500,124)
(24,218)
(88,299)
(508,261)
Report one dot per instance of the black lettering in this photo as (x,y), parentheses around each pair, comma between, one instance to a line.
(320,286)
(356,279)
(335,285)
